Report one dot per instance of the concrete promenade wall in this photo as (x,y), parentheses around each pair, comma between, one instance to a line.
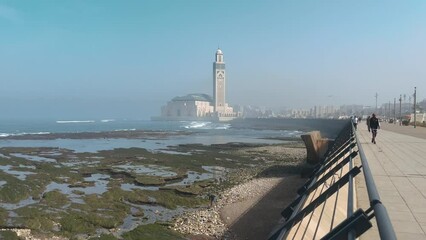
(316,146)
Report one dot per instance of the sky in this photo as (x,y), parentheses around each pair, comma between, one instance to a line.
(86,59)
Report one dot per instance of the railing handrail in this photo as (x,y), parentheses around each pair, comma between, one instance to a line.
(345,147)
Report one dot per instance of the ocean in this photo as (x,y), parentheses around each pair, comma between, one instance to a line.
(78,177)
(268,131)
(201,133)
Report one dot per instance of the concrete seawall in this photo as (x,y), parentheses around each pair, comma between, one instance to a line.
(316,146)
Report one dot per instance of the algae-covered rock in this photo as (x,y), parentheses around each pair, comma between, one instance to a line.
(149,180)
(152,231)
(54,199)
(189,190)
(9,235)
(170,199)
(104,237)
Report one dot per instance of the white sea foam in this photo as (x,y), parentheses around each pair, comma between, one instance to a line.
(223,126)
(107,120)
(39,133)
(197,125)
(125,129)
(23,133)
(76,121)
(207,125)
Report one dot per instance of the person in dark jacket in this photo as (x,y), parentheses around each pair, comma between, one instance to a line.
(374,125)
(368,123)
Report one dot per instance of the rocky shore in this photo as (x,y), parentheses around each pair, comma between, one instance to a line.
(215,222)
(221,220)
(253,173)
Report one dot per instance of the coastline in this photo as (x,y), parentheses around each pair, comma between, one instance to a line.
(248,210)
(126,134)
(253,167)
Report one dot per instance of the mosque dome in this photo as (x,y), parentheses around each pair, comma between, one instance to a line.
(194,97)
(219,51)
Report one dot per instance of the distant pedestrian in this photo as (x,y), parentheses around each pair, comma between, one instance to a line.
(355,122)
(374,125)
(368,122)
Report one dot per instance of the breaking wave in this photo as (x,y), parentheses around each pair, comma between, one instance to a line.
(23,133)
(206,125)
(77,121)
(107,120)
(125,130)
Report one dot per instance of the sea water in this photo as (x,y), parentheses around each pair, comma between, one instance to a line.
(206,133)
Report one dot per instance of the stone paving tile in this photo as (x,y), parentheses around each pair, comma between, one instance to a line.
(402,216)
(414,199)
(398,165)
(408,236)
(420,217)
(398,207)
(407,227)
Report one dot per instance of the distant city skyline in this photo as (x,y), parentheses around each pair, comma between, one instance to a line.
(113,59)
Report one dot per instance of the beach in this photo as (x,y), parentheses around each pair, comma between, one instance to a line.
(249,210)
(122,184)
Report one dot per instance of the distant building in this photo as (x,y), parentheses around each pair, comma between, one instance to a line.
(191,105)
(200,106)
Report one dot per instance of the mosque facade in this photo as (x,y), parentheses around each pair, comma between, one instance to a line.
(202,107)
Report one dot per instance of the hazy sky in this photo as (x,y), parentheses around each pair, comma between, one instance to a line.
(124,59)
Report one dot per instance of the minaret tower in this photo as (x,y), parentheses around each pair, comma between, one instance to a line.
(219,83)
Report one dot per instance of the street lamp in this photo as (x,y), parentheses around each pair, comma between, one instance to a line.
(376,101)
(414,107)
(390,113)
(394,110)
(400,113)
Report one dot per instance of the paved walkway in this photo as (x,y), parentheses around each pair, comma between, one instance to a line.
(398,164)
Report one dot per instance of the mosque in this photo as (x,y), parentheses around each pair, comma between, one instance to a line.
(202,107)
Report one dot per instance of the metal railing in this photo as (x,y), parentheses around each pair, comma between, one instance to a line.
(324,208)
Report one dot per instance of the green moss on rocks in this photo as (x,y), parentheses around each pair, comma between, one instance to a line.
(54,199)
(9,235)
(146,180)
(35,218)
(75,222)
(152,231)
(104,237)
(108,210)
(3,216)
(189,190)
(170,199)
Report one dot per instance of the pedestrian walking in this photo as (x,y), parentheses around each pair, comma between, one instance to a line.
(355,122)
(368,123)
(374,125)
